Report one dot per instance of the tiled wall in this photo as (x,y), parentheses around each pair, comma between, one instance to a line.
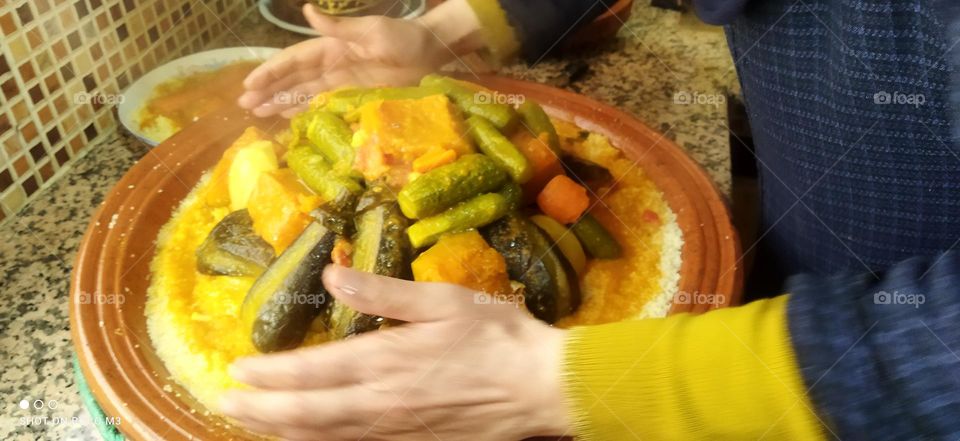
(55,55)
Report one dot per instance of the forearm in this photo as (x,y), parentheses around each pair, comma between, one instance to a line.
(728,374)
(506,28)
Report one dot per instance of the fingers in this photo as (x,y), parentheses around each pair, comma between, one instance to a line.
(295,97)
(396,298)
(254,98)
(330,365)
(307,55)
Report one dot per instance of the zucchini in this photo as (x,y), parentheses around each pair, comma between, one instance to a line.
(289,295)
(233,249)
(331,137)
(380,246)
(595,238)
(444,186)
(469,97)
(565,240)
(537,121)
(473,213)
(345,101)
(499,148)
(315,172)
(513,193)
(551,290)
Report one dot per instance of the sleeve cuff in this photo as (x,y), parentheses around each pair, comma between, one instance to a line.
(501,39)
(727,374)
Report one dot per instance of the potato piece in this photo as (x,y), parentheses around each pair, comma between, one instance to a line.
(464,259)
(279,206)
(218,191)
(248,164)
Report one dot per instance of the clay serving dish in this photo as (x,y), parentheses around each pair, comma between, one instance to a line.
(115,352)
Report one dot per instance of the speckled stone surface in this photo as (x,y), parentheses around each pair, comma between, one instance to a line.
(658,55)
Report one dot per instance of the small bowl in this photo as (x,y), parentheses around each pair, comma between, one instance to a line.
(115,352)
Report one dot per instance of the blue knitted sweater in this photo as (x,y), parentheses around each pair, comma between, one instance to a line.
(851,106)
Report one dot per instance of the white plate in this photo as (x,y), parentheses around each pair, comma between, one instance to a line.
(141,90)
(416,8)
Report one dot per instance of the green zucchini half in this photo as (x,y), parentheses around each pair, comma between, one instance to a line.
(289,295)
(233,249)
(380,246)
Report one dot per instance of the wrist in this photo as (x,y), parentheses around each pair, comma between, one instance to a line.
(548,408)
(455,25)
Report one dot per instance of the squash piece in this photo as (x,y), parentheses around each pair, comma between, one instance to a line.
(279,207)
(464,259)
(544,161)
(248,164)
(393,133)
(218,192)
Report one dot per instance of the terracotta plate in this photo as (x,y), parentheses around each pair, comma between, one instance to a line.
(115,352)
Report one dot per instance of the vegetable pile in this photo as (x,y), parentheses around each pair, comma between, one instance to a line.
(426,183)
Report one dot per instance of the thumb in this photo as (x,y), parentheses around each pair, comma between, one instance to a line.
(344,28)
(400,299)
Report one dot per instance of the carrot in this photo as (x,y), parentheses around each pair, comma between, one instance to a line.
(563,199)
(543,160)
(433,159)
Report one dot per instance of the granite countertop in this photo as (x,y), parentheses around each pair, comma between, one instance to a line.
(659,55)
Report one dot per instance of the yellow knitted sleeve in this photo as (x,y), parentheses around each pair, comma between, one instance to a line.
(726,374)
(500,38)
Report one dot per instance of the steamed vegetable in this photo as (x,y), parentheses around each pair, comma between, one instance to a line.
(245,169)
(473,99)
(565,240)
(279,207)
(345,101)
(314,171)
(331,136)
(499,148)
(550,286)
(544,162)
(218,190)
(536,121)
(380,246)
(595,238)
(392,135)
(444,186)
(233,249)
(473,213)
(289,295)
(433,159)
(464,259)
(563,199)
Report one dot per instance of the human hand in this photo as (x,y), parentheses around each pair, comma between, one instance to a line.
(359,51)
(459,369)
